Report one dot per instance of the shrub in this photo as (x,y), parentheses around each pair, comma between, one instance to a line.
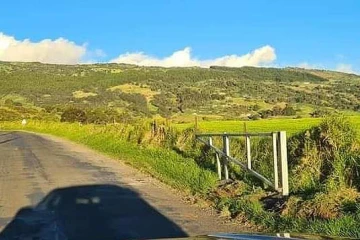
(73,115)
(324,156)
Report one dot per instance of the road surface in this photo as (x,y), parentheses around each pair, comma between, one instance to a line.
(32,165)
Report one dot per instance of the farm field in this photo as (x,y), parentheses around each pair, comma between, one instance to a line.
(291,126)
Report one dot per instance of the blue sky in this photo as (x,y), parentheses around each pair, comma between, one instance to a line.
(323,34)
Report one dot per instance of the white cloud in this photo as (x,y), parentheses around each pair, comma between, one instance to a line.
(343,67)
(47,51)
(63,51)
(182,58)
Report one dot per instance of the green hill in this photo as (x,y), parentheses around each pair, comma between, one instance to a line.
(37,90)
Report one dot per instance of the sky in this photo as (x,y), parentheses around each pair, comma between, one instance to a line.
(277,33)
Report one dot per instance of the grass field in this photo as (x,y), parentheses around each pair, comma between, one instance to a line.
(291,126)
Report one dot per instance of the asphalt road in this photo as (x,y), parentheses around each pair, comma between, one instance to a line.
(33,165)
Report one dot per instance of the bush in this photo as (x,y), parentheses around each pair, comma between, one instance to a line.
(325,156)
(288,111)
(254,116)
(9,115)
(73,115)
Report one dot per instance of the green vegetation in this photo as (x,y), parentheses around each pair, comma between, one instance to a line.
(147,115)
(291,126)
(176,93)
(324,164)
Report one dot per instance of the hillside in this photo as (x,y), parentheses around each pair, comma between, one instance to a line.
(108,92)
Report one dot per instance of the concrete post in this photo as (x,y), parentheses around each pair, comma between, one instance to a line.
(284,164)
(275,158)
(218,163)
(248,152)
(226,150)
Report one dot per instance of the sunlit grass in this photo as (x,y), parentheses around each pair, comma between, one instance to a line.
(291,126)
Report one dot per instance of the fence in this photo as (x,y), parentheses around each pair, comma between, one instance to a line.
(279,149)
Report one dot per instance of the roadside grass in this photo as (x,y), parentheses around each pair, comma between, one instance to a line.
(249,208)
(177,171)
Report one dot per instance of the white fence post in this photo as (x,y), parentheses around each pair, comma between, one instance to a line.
(248,152)
(275,157)
(284,164)
(226,149)
(218,163)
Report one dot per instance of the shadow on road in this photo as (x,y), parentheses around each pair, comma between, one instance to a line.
(91,212)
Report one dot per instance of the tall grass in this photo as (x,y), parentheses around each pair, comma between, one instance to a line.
(324,167)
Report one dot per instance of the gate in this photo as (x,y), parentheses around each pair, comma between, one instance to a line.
(279,150)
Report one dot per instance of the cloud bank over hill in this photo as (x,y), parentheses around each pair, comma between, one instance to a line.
(60,50)
(262,56)
(64,51)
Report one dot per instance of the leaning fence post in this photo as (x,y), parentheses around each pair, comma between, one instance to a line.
(284,164)
(226,150)
(218,163)
(275,157)
(248,151)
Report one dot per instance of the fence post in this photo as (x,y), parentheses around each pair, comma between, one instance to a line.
(218,163)
(226,150)
(196,123)
(284,164)
(248,152)
(275,157)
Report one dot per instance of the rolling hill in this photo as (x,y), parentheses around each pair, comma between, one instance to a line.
(36,90)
